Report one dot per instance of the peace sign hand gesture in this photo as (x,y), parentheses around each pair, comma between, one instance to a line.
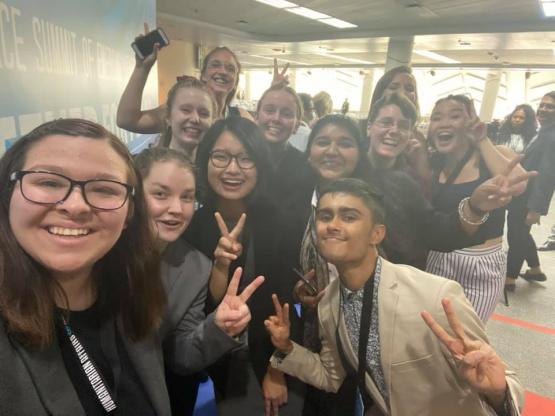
(499,190)
(228,248)
(479,365)
(280,79)
(232,314)
(279,327)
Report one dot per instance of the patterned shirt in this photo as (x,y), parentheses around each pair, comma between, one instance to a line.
(351,307)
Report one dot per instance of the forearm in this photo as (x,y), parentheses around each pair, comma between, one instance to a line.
(191,351)
(218,281)
(129,114)
(319,370)
(497,158)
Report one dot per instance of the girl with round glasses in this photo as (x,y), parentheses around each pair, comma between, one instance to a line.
(238,226)
(82,306)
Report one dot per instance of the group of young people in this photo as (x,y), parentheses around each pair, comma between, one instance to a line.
(122,276)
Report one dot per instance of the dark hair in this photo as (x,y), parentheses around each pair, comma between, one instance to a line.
(372,198)
(550,94)
(299,111)
(183,82)
(405,105)
(231,94)
(386,79)
(353,129)
(528,129)
(148,157)
(255,144)
(129,282)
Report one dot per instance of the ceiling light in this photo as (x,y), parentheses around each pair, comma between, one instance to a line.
(280,4)
(549,8)
(435,56)
(341,24)
(344,58)
(308,13)
(278,58)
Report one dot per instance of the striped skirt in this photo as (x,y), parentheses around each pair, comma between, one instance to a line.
(480,271)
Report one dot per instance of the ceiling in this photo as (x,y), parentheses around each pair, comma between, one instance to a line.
(475,33)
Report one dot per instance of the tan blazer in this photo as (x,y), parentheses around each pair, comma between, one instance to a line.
(420,374)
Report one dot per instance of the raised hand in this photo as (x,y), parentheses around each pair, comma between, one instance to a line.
(148,60)
(232,314)
(279,327)
(499,190)
(280,78)
(478,364)
(306,294)
(229,248)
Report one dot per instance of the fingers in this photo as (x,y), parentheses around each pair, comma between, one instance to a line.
(521,178)
(453,320)
(441,334)
(238,227)
(310,300)
(277,307)
(234,283)
(275,407)
(221,224)
(249,290)
(147,29)
(276,70)
(285,68)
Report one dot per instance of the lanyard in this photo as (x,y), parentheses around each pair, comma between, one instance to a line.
(91,372)
(364,333)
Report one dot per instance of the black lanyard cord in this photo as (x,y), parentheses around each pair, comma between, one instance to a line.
(94,377)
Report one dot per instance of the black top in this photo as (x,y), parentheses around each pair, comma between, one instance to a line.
(413,225)
(104,346)
(267,251)
(446,198)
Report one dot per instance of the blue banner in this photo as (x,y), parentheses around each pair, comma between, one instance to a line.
(68,58)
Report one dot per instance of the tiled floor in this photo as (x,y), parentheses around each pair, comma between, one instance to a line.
(526,341)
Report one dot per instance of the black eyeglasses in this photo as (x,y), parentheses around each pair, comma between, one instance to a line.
(221,159)
(52,188)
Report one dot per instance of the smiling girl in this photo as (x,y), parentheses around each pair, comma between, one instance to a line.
(238,226)
(220,75)
(83,309)
(467,158)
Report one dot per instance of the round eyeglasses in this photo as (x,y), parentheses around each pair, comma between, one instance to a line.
(53,188)
(221,159)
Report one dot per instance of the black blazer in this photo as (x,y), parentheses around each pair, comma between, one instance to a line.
(273,258)
(540,156)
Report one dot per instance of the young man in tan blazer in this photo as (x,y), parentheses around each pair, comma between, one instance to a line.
(413,365)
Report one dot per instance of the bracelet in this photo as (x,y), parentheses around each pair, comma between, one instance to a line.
(466,220)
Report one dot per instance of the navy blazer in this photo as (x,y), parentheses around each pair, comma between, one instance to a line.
(540,156)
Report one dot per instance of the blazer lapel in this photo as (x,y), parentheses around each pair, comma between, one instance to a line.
(46,368)
(387,311)
(148,362)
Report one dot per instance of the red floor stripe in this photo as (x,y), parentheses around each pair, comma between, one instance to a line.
(535,405)
(524,324)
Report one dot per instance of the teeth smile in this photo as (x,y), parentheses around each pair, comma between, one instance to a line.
(68,231)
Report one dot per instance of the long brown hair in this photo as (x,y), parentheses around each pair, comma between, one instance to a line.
(129,274)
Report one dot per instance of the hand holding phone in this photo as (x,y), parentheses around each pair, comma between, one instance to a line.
(144,45)
(308,284)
